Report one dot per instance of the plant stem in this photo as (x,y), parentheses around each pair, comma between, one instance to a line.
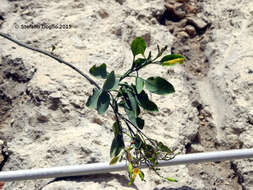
(47,53)
(125,119)
(130,129)
(126,74)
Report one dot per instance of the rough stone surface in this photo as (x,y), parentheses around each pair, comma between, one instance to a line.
(190,30)
(197,22)
(44,119)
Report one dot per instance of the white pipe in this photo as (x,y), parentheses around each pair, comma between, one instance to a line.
(98,168)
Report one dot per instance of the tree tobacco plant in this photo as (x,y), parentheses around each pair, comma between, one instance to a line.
(132,99)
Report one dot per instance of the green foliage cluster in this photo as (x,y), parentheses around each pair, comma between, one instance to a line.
(132,99)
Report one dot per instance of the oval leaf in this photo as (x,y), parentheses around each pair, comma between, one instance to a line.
(171,179)
(93,99)
(133,103)
(130,114)
(116,84)
(110,81)
(116,128)
(99,72)
(130,173)
(117,146)
(173,62)
(172,59)
(138,46)
(164,148)
(114,160)
(130,169)
(131,181)
(103,102)
(145,103)
(159,86)
(140,122)
(141,175)
(139,84)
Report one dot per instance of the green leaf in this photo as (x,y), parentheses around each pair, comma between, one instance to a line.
(164,148)
(131,181)
(139,62)
(140,122)
(141,175)
(93,99)
(116,128)
(130,114)
(145,103)
(137,141)
(99,72)
(117,146)
(133,103)
(110,82)
(130,169)
(172,59)
(131,107)
(159,86)
(114,160)
(103,102)
(153,160)
(171,179)
(139,84)
(116,84)
(138,46)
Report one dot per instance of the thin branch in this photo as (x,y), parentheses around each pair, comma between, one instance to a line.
(129,128)
(92,82)
(125,119)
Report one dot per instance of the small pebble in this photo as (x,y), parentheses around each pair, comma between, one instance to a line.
(190,30)
(103,14)
(197,22)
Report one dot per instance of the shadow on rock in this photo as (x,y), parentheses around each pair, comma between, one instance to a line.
(96,178)
(179,188)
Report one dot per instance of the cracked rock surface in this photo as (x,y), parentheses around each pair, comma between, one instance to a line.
(43,118)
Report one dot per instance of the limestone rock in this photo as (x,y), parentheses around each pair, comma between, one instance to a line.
(197,22)
(49,124)
(190,30)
